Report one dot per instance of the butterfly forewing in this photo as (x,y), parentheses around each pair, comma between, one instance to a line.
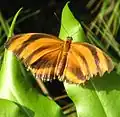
(39,52)
(30,47)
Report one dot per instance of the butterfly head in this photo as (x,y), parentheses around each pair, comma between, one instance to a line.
(68,41)
(69,38)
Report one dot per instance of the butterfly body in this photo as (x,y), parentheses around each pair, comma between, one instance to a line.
(48,57)
(62,61)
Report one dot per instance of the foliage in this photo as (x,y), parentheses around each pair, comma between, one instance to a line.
(99,97)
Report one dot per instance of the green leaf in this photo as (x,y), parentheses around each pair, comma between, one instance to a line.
(4,24)
(99,97)
(13,23)
(70,26)
(10,109)
(17,86)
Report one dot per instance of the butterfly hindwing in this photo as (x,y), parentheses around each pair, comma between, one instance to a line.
(45,66)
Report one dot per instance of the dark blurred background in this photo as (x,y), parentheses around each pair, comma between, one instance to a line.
(45,21)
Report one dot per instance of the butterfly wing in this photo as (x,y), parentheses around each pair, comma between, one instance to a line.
(39,52)
(85,60)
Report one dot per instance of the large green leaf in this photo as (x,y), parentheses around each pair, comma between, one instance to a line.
(16,86)
(10,109)
(70,26)
(99,97)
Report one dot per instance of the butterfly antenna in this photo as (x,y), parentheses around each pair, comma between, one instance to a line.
(61,23)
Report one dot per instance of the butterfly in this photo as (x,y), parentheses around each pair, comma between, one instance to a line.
(49,57)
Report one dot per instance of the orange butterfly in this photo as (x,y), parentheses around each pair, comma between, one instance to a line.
(48,57)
